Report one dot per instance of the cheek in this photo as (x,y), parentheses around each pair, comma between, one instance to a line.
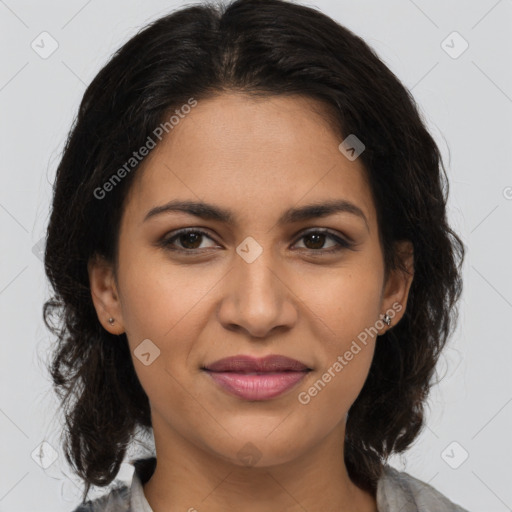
(159,297)
(331,394)
(166,304)
(344,300)
(345,362)
(345,306)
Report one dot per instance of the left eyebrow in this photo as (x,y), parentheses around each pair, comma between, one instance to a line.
(212,212)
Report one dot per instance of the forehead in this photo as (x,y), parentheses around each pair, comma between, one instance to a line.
(254,156)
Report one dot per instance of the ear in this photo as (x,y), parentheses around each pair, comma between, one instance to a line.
(396,289)
(104,294)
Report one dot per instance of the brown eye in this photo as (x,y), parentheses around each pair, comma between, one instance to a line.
(315,240)
(189,240)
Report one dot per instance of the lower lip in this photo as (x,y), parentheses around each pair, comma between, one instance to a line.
(262,386)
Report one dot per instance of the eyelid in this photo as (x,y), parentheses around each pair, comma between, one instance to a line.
(326,231)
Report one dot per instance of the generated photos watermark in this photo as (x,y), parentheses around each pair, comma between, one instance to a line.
(305,397)
(144,150)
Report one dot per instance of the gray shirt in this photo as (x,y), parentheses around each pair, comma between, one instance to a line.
(397,491)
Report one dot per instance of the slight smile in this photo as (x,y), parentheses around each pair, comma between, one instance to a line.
(253,378)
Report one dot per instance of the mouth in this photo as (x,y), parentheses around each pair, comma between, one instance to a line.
(253,379)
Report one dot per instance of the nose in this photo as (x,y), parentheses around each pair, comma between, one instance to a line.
(256,299)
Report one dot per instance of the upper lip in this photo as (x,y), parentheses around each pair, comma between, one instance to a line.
(242,363)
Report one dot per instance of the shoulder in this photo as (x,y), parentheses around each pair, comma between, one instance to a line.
(397,490)
(117,500)
(124,497)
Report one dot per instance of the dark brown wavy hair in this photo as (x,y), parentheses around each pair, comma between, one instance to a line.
(255,47)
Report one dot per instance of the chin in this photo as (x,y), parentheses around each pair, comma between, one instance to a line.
(260,449)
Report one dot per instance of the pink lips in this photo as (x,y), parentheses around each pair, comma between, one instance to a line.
(257,379)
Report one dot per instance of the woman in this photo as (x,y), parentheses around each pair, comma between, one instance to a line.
(252,263)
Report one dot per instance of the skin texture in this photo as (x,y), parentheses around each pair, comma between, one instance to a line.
(257,158)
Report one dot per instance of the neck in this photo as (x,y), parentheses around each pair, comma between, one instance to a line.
(189,478)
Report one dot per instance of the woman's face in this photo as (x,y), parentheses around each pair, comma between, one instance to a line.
(263,282)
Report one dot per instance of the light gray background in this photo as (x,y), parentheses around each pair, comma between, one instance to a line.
(467,103)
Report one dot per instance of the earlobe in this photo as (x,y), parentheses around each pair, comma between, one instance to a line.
(398,285)
(104,294)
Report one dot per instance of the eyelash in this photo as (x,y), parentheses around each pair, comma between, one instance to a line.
(166,243)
